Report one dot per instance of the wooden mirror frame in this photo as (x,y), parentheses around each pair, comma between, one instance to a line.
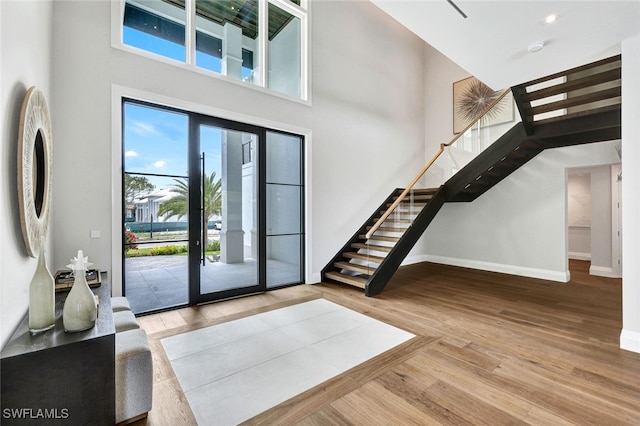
(34,169)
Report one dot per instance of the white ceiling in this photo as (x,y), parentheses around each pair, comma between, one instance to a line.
(492,42)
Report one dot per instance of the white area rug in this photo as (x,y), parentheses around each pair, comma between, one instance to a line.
(233,371)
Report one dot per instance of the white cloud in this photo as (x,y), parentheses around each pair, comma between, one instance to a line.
(130,154)
(144,129)
(159,164)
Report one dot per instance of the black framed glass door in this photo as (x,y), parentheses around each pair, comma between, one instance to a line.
(226,205)
(212,208)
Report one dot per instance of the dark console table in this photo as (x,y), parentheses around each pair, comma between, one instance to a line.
(58,377)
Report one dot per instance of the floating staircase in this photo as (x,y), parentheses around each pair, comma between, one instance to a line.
(360,260)
(578,106)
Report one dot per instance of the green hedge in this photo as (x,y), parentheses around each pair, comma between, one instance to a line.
(213,246)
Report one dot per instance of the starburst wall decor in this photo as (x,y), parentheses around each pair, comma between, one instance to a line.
(471,97)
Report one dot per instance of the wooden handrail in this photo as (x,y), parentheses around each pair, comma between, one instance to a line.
(404,193)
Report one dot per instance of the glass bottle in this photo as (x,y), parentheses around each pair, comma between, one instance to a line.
(42,310)
(80,310)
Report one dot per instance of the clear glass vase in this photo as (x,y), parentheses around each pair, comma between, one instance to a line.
(80,310)
(42,310)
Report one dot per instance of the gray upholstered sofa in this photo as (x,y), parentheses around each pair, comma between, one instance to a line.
(134,365)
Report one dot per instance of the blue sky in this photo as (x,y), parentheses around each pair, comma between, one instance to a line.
(155,141)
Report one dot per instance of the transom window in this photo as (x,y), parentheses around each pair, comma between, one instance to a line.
(259,42)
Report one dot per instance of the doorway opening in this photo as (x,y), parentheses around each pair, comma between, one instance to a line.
(594,219)
(212,208)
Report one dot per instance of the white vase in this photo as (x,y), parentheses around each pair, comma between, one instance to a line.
(80,310)
(42,310)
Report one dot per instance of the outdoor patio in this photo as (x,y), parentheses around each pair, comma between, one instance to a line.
(159,282)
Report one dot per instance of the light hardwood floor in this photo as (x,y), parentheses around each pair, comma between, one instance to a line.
(490,349)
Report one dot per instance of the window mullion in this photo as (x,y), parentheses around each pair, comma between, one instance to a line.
(263,35)
(304,58)
(190,32)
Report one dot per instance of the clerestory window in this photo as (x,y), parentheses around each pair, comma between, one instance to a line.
(259,42)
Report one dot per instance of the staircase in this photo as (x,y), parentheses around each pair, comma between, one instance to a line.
(361,259)
(578,106)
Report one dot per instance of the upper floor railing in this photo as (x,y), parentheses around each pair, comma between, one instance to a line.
(583,90)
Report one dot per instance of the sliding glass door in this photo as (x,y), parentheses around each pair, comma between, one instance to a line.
(213,208)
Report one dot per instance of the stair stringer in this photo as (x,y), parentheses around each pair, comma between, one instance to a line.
(502,147)
(379,279)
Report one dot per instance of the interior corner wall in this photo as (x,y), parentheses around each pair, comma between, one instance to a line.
(25,55)
(365,120)
(440,74)
(601,257)
(630,336)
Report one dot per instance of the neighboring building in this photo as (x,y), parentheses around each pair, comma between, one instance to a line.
(145,209)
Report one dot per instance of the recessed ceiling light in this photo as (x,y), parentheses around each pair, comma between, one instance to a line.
(551,19)
(536,46)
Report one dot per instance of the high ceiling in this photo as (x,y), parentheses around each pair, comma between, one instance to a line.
(243,13)
(492,42)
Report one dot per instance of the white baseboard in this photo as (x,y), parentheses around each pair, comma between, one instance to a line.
(543,274)
(579,256)
(601,271)
(630,340)
(410,260)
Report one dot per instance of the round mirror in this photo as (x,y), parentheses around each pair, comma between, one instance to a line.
(34,168)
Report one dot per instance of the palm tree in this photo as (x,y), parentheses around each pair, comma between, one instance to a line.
(178,205)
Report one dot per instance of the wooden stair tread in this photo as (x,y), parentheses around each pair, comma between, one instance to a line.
(406,204)
(425,190)
(375,237)
(394,220)
(420,197)
(402,214)
(389,229)
(373,247)
(347,279)
(363,256)
(368,270)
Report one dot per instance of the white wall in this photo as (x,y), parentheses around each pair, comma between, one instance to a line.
(516,227)
(440,74)
(366,120)
(630,336)
(25,34)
